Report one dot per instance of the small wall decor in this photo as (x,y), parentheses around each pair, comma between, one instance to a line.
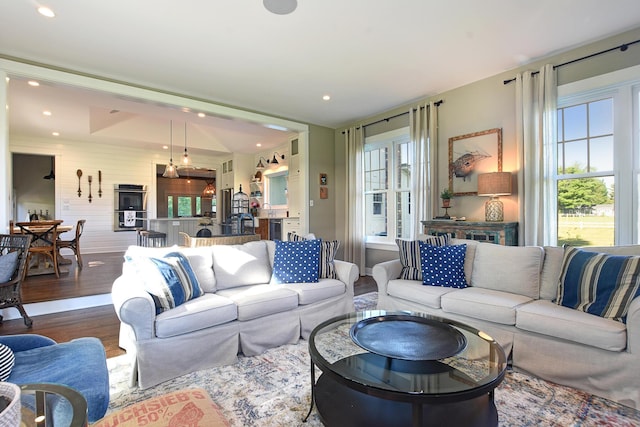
(90,179)
(323,179)
(79,175)
(99,183)
(324,192)
(471,155)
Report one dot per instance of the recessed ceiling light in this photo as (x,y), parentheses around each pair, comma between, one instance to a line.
(280,7)
(55,133)
(45,11)
(258,145)
(165,147)
(46,113)
(326,97)
(33,83)
(201,115)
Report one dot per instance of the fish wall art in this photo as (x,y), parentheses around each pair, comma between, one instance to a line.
(473,154)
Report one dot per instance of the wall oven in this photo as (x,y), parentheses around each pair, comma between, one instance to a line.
(130,202)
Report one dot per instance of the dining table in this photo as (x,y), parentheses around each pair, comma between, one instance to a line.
(39,232)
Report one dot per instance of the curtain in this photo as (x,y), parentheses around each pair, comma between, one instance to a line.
(354,247)
(423,131)
(536,105)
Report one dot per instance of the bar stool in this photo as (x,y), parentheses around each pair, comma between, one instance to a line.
(150,238)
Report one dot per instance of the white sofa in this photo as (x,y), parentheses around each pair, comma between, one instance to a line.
(239,311)
(511,297)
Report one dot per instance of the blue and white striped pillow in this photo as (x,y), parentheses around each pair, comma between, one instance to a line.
(409,251)
(7,362)
(169,280)
(328,250)
(598,283)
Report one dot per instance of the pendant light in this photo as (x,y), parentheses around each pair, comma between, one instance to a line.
(171,171)
(185,158)
(52,174)
(209,191)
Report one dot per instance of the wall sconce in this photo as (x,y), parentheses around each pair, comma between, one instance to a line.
(261,165)
(274,161)
(494,184)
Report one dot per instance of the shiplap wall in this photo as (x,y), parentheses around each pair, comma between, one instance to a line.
(119,165)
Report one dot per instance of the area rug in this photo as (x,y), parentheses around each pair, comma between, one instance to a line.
(273,389)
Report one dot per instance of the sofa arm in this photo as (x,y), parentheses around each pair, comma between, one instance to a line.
(347,273)
(385,271)
(22,342)
(633,327)
(134,306)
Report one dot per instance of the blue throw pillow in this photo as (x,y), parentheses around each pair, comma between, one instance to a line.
(8,265)
(598,283)
(409,251)
(443,265)
(169,280)
(296,262)
(328,250)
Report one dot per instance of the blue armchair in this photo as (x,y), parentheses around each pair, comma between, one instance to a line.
(80,364)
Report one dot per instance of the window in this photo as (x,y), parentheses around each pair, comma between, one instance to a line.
(184,206)
(388,163)
(597,179)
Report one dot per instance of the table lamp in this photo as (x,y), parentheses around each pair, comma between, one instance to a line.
(494,184)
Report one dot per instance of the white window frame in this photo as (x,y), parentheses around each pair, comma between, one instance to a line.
(624,87)
(390,139)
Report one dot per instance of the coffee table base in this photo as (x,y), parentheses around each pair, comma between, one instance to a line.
(339,405)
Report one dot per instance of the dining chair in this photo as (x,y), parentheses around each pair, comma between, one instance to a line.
(74,244)
(44,237)
(16,250)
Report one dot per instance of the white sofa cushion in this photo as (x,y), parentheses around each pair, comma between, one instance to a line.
(309,293)
(485,304)
(553,256)
(261,300)
(547,318)
(508,268)
(413,290)
(241,265)
(200,313)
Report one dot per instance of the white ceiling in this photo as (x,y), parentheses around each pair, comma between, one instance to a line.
(370,56)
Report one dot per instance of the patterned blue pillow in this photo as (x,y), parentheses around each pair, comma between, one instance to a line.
(8,265)
(296,262)
(169,280)
(409,251)
(598,283)
(328,250)
(443,265)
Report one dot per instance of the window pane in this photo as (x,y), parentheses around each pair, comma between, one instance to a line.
(575,156)
(575,122)
(601,154)
(403,162)
(376,214)
(601,117)
(170,206)
(184,206)
(586,211)
(198,205)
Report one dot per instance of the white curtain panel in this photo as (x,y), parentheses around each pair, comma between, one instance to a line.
(536,105)
(354,247)
(423,128)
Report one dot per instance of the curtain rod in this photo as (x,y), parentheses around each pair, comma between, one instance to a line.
(623,47)
(437,104)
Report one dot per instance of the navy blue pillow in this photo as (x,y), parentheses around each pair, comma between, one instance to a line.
(296,262)
(443,265)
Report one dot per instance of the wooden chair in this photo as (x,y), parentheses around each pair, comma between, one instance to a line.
(44,238)
(74,244)
(11,292)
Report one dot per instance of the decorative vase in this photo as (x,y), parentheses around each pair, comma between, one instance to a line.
(10,415)
(446,203)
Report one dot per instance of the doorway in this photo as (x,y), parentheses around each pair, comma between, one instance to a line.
(33,187)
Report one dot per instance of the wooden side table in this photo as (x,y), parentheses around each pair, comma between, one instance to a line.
(502,233)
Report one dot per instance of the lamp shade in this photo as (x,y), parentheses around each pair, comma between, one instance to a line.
(494,184)
(209,190)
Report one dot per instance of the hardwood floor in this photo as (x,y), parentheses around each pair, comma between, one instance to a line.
(97,276)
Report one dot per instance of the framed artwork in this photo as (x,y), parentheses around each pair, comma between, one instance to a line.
(324,192)
(470,155)
(323,179)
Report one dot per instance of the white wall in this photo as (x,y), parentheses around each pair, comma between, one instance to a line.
(119,165)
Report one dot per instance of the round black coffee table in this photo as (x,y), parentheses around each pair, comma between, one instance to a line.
(384,368)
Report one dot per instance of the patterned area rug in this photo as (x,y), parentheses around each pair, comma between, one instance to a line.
(273,389)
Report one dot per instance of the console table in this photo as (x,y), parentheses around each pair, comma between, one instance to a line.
(503,233)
